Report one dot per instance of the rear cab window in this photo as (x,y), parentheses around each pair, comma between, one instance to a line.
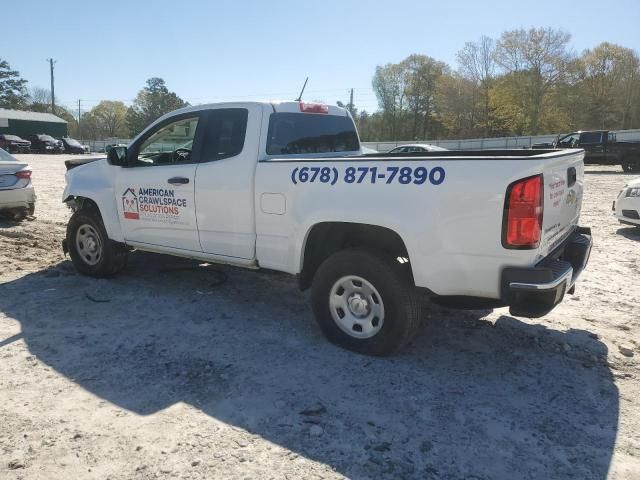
(308,133)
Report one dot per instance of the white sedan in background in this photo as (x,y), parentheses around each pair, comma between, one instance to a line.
(17,196)
(626,207)
(417,148)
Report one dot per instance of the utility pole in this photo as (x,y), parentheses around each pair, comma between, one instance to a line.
(53,93)
(79,131)
(351,102)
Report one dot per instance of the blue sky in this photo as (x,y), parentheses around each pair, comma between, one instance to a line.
(233,50)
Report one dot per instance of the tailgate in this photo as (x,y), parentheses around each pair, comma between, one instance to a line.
(563,187)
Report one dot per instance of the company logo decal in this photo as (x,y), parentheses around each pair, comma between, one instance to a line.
(571,197)
(153,204)
(130,204)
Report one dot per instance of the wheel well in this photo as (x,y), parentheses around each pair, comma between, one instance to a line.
(327,238)
(76,203)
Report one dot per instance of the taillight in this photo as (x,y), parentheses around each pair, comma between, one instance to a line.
(313,108)
(523,208)
(23,174)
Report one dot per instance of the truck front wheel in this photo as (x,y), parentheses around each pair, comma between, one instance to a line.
(91,251)
(365,303)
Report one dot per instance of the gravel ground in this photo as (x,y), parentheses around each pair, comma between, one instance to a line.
(175,369)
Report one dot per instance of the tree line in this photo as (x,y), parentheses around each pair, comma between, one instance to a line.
(526,82)
(108,119)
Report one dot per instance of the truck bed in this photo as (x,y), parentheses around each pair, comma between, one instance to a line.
(451,222)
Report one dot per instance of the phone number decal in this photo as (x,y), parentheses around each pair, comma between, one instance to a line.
(388,175)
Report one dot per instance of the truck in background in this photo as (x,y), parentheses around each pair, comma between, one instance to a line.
(601,148)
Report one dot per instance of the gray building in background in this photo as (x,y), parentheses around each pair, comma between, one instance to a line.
(23,124)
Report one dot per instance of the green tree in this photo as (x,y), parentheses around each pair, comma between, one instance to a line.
(153,101)
(610,81)
(477,63)
(457,106)
(422,74)
(540,59)
(108,119)
(13,88)
(389,85)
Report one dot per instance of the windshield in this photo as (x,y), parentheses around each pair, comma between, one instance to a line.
(569,141)
(4,156)
(296,133)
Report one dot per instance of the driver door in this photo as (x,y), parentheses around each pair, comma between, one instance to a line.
(155,190)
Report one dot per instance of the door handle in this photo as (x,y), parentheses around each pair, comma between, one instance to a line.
(178,180)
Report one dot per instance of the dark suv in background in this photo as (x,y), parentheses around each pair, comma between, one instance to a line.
(42,143)
(14,144)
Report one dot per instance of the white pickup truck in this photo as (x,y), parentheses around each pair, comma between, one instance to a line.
(285,186)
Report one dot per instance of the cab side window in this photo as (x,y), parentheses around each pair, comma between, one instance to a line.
(170,144)
(225,133)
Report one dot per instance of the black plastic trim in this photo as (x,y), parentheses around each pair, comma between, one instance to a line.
(450,155)
(571,256)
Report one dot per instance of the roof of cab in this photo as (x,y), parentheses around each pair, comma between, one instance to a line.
(276,105)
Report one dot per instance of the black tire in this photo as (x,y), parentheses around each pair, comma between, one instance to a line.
(112,257)
(32,209)
(401,306)
(19,214)
(630,165)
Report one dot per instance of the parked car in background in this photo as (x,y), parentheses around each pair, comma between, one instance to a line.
(42,143)
(14,144)
(601,148)
(417,148)
(17,196)
(626,207)
(72,146)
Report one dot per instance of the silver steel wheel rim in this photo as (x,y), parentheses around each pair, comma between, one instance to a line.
(88,244)
(356,307)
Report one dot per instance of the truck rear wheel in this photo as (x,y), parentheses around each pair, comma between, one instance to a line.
(91,250)
(365,303)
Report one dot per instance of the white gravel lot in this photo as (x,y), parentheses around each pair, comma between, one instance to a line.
(175,370)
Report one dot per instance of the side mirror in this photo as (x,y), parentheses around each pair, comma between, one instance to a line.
(117,156)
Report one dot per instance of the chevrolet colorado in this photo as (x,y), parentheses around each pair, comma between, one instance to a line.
(285,186)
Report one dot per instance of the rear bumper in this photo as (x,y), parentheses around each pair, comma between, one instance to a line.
(627,209)
(17,198)
(534,292)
